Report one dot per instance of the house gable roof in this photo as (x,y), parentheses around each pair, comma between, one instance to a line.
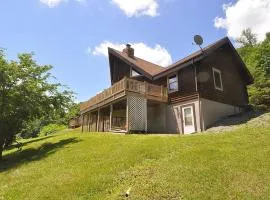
(153,71)
(142,66)
(201,54)
(197,54)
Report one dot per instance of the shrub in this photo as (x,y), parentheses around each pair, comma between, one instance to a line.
(31,129)
(51,129)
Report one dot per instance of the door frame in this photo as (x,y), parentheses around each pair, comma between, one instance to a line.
(194,116)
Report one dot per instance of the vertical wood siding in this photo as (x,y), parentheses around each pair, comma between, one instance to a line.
(234,89)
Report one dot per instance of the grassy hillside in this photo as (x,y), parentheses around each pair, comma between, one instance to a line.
(72,165)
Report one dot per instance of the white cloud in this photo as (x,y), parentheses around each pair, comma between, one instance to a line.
(254,14)
(138,7)
(158,55)
(54,3)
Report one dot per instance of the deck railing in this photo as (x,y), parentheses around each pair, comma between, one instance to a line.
(126,84)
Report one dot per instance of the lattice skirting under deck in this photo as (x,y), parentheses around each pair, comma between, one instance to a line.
(137,113)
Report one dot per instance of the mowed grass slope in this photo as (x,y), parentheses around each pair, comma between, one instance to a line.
(72,165)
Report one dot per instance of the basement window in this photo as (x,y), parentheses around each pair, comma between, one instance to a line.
(217,79)
(173,83)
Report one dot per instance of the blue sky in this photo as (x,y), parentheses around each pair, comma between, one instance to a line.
(69,34)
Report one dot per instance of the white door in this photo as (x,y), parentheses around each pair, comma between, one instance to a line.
(188,120)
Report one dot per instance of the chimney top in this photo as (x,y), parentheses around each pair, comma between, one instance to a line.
(129,51)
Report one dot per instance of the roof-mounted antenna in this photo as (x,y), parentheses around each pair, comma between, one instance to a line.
(198,40)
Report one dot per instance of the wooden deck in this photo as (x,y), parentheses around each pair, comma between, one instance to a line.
(121,89)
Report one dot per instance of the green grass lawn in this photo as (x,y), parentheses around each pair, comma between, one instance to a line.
(72,165)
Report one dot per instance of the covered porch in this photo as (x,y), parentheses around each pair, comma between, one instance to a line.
(124,107)
(111,117)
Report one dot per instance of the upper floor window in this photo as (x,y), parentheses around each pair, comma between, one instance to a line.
(173,83)
(217,79)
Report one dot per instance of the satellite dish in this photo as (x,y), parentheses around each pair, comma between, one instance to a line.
(198,40)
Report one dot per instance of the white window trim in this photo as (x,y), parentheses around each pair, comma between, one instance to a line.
(219,72)
(168,83)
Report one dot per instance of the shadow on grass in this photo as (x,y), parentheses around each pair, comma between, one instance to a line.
(16,159)
(238,119)
(37,139)
(15,145)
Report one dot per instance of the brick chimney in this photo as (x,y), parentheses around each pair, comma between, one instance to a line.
(129,51)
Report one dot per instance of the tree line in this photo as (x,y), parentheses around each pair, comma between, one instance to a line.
(256,56)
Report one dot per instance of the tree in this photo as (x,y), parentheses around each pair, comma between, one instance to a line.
(26,94)
(257,59)
(74,111)
(247,38)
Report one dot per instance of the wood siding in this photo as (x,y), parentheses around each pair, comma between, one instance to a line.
(234,89)
(186,85)
(119,70)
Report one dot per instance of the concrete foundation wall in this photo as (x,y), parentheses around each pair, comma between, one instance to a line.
(213,111)
(171,121)
(156,118)
(174,116)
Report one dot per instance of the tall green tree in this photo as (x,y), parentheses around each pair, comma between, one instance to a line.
(257,59)
(247,38)
(26,94)
(74,111)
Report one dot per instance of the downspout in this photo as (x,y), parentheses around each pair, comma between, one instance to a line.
(196,84)
(195,75)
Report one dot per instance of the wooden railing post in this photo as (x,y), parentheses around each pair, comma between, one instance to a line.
(125,83)
(145,87)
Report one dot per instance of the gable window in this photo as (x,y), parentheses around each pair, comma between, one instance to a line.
(217,79)
(173,83)
(134,73)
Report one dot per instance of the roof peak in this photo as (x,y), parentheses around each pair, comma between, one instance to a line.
(159,69)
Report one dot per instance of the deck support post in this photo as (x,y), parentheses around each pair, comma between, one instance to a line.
(88,122)
(164,117)
(111,112)
(82,121)
(146,128)
(127,113)
(98,119)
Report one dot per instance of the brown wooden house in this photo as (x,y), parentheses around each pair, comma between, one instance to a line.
(186,97)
